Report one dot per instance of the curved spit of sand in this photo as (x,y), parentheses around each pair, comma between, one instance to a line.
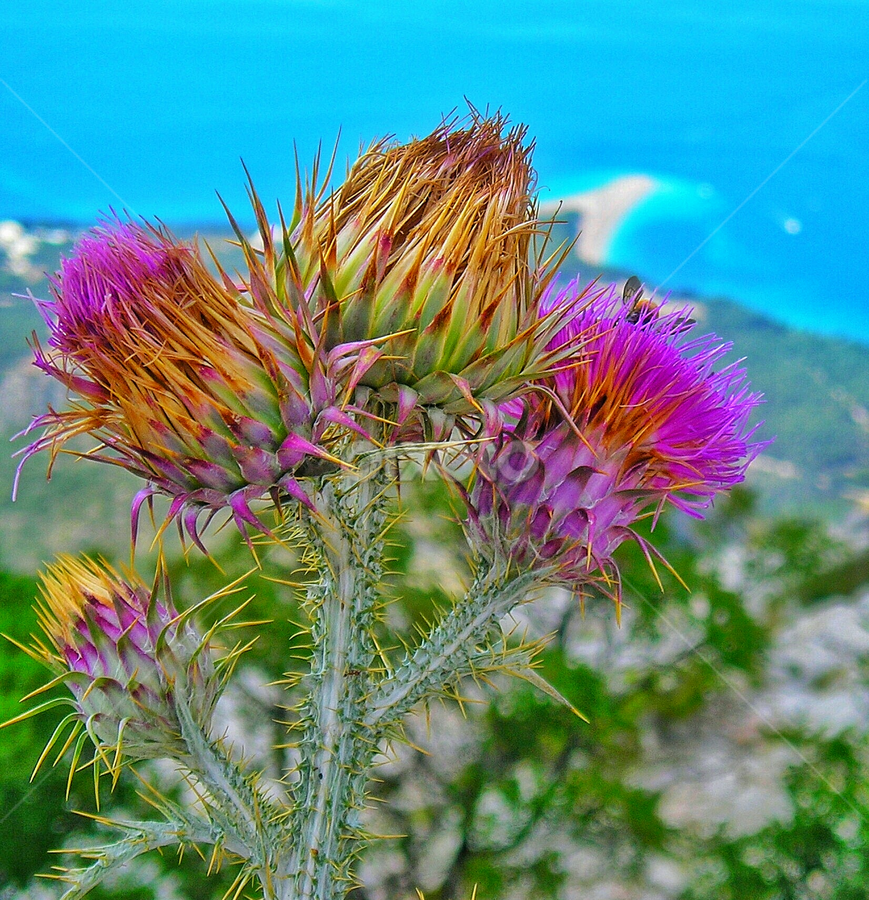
(601,211)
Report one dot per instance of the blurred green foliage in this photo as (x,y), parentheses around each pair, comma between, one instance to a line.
(34,817)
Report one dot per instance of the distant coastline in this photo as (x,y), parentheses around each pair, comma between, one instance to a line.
(620,223)
(601,212)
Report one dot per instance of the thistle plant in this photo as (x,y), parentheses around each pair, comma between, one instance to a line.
(184,382)
(408,313)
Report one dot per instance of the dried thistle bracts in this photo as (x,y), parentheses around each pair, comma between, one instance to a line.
(428,249)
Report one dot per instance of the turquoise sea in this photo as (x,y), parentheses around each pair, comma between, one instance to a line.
(149,106)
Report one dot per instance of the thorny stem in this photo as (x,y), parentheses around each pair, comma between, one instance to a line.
(448,651)
(243,816)
(351,705)
(336,747)
(140,837)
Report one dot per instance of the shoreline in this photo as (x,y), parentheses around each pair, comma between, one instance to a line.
(601,213)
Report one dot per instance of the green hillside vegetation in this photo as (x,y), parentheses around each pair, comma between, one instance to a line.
(817,401)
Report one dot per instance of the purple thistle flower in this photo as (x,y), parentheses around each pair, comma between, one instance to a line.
(214,398)
(111,268)
(637,418)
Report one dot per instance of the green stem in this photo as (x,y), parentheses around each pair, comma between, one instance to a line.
(243,816)
(336,747)
(350,704)
(450,650)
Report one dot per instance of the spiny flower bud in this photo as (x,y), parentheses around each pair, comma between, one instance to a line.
(639,418)
(212,401)
(127,657)
(429,244)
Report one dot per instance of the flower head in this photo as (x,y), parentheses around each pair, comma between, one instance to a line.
(127,657)
(185,382)
(639,417)
(429,245)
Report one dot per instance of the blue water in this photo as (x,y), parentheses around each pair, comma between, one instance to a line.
(149,106)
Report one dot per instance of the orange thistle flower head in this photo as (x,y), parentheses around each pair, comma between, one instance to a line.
(430,244)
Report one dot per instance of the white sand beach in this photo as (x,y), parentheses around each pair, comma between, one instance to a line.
(600,211)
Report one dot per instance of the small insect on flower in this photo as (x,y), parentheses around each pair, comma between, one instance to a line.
(129,660)
(643,310)
(639,309)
